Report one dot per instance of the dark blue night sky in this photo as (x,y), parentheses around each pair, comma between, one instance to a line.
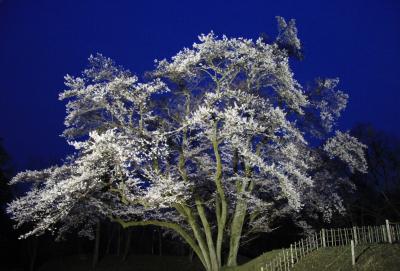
(42,40)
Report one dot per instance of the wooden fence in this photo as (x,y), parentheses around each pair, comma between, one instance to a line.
(388,233)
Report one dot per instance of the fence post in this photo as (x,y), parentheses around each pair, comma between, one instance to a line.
(388,231)
(313,242)
(284,259)
(398,231)
(291,255)
(369,234)
(393,231)
(373,234)
(334,237)
(287,258)
(323,238)
(364,235)
(341,237)
(384,233)
(353,258)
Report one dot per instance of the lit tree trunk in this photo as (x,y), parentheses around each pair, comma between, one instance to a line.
(221,203)
(236,232)
(238,218)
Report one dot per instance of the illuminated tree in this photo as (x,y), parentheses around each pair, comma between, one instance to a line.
(215,146)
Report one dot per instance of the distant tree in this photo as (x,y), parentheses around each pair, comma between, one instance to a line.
(377,195)
(218,144)
(4,169)
(8,247)
(5,191)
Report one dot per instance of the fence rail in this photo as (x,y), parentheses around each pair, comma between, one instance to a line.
(387,233)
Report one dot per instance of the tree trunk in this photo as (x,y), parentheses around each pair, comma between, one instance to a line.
(159,242)
(127,244)
(236,232)
(191,254)
(110,237)
(152,241)
(119,240)
(96,246)
(32,252)
(238,220)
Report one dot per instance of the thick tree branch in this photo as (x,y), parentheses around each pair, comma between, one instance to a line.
(168,225)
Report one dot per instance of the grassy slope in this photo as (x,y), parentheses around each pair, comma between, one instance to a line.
(256,263)
(369,258)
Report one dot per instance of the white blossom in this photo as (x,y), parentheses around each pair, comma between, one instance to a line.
(348,149)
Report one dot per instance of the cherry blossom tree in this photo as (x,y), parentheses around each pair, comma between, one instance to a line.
(215,145)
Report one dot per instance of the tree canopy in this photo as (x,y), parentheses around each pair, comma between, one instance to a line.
(215,144)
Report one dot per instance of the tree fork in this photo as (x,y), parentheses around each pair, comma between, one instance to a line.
(191,220)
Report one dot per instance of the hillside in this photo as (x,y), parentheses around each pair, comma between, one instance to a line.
(374,257)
